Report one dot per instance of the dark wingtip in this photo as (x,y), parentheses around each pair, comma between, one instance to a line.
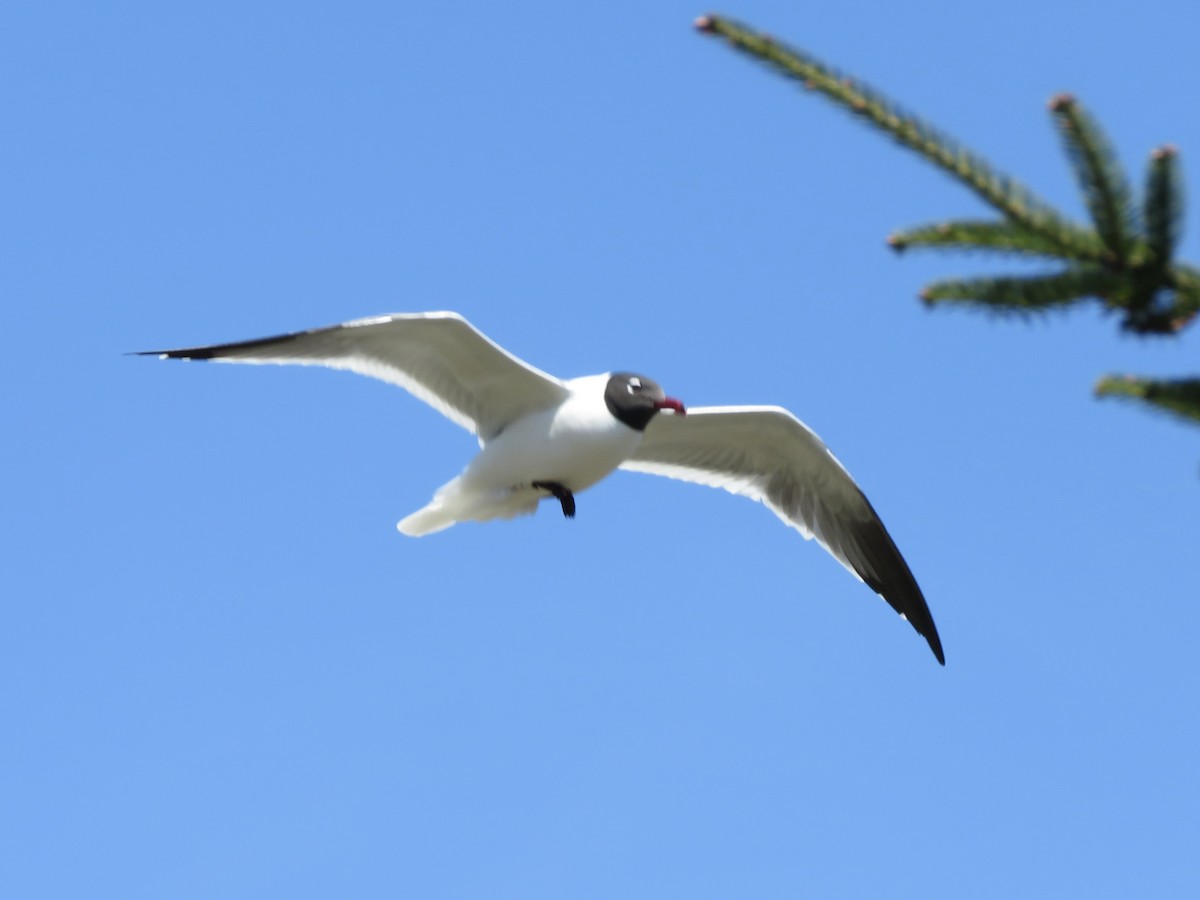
(218,351)
(173,354)
(936,646)
(926,629)
(880,565)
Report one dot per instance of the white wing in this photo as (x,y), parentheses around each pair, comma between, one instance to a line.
(439,357)
(767,454)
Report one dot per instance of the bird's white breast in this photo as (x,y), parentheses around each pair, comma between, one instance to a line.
(575,444)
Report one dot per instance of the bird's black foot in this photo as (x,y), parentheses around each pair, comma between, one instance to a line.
(565,497)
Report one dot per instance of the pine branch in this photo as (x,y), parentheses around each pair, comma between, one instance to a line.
(1024,295)
(1016,202)
(1180,397)
(1163,208)
(1105,188)
(1151,309)
(965,234)
(1125,263)
(1186,281)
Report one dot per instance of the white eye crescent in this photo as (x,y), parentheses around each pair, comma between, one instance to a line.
(635,384)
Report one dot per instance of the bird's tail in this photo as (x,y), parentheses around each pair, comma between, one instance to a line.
(431,519)
(451,504)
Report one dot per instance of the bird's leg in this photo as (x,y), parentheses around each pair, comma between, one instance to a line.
(565,497)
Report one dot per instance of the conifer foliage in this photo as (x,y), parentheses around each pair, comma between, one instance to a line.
(1125,260)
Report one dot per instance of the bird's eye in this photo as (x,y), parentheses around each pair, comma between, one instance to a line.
(635,385)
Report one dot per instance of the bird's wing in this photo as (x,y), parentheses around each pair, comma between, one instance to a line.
(767,454)
(439,357)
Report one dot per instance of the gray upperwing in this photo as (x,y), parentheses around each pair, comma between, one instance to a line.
(439,357)
(767,454)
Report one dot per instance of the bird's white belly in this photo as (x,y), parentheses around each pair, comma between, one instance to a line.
(574,445)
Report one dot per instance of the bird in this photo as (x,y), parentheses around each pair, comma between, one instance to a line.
(543,437)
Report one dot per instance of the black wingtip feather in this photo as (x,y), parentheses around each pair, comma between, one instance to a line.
(197,354)
(216,351)
(936,646)
(897,585)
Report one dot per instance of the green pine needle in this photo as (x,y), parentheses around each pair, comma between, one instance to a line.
(1023,295)
(1163,210)
(1180,397)
(965,234)
(1186,281)
(1105,189)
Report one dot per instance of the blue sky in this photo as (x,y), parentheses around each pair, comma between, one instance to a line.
(224,674)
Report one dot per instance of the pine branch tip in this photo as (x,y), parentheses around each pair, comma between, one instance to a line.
(1166,151)
(1175,396)
(1108,384)
(1061,101)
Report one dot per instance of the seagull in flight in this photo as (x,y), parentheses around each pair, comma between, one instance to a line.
(543,437)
